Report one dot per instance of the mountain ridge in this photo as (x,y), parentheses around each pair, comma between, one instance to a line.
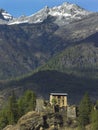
(25,47)
(63,13)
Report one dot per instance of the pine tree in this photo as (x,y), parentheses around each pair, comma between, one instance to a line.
(16,108)
(94,120)
(85,108)
(27,102)
(12,109)
(3,118)
(30,100)
(94,117)
(21,107)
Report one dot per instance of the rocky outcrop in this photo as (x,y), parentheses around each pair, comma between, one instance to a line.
(38,121)
(31,120)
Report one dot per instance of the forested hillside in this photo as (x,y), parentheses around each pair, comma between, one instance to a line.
(24,47)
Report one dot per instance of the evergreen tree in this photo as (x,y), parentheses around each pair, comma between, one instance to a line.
(12,109)
(94,120)
(3,118)
(94,117)
(21,107)
(30,100)
(27,102)
(85,108)
(16,108)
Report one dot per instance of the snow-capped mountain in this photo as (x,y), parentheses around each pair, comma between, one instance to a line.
(5,17)
(63,14)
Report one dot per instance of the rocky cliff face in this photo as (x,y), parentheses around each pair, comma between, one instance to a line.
(37,121)
(43,121)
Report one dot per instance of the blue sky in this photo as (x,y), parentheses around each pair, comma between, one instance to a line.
(28,7)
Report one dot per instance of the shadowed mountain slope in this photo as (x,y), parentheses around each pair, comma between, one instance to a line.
(45,82)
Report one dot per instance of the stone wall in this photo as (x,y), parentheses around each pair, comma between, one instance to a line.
(71,112)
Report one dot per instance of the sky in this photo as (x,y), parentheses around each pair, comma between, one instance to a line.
(28,7)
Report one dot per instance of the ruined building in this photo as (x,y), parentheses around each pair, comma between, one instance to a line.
(59,99)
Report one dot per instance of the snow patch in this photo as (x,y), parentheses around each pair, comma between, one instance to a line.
(7,15)
(18,22)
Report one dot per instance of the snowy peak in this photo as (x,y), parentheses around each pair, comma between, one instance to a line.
(67,9)
(38,17)
(67,13)
(63,14)
(5,15)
